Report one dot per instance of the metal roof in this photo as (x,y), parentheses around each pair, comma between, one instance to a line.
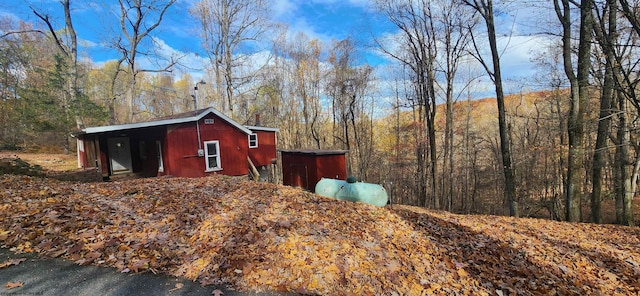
(168,120)
(262,128)
(314,152)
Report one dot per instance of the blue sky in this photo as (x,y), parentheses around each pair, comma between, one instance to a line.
(323,19)
(326,20)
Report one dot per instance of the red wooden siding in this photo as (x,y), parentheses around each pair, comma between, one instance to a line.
(91,154)
(181,148)
(104,160)
(178,135)
(266,150)
(304,168)
(144,159)
(82,155)
(87,151)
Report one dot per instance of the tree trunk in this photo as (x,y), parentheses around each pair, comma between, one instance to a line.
(447,168)
(485,8)
(421,162)
(599,155)
(505,139)
(633,186)
(579,96)
(606,35)
(430,102)
(576,115)
(70,92)
(624,169)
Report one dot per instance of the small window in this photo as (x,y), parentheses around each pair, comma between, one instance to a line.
(160,163)
(253,141)
(208,121)
(212,156)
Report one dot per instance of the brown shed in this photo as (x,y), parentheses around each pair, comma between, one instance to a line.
(304,168)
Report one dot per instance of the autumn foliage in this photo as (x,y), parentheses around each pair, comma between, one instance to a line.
(257,236)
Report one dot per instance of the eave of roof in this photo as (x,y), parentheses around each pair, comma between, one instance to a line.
(197,116)
(262,128)
(314,152)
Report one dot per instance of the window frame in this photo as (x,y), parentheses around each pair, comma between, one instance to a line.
(256,140)
(207,156)
(159,155)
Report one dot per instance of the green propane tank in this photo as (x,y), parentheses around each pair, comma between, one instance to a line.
(352,191)
(329,187)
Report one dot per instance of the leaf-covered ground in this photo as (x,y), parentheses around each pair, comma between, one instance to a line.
(49,161)
(57,166)
(257,236)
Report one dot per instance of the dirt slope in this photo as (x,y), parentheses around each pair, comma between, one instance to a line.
(258,236)
(47,161)
(57,166)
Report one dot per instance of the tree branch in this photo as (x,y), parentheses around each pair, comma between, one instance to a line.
(45,18)
(5,35)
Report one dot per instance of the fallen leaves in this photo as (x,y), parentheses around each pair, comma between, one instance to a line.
(257,236)
(178,286)
(10,262)
(13,285)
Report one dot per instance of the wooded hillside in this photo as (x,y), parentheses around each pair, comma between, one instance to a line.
(474,184)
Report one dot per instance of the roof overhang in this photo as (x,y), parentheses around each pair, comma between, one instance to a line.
(262,128)
(314,152)
(155,123)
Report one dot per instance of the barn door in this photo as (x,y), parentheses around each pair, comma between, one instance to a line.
(90,152)
(119,155)
(299,176)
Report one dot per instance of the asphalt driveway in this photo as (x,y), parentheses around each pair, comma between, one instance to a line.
(62,277)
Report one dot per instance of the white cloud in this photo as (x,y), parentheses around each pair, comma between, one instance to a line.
(300,25)
(533,17)
(518,52)
(195,64)
(8,16)
(166,53)
(255,61)
(88,43)
(390,42)
(283,9)
(188,62)
(359,3)
(517,65)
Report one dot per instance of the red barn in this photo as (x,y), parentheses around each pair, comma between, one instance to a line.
(304,168)
(191,144)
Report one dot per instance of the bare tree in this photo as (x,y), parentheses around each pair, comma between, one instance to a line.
(631,13)
(415,21)
(70,53)
(19,49)
(606,32)
(227,26)
(485,9)
(454,21)
(579,81)
(305,57)
(137,20)
(619,49)
(347,85)
(105,85)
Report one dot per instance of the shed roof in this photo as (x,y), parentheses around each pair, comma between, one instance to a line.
(166,120)
(315,152)
(262,128)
